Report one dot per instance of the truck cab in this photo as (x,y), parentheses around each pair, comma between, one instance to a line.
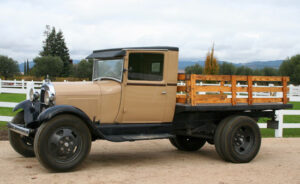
(134,96)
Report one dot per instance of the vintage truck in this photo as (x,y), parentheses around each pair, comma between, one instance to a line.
(137,94)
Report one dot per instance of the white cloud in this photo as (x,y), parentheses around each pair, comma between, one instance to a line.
(242,30)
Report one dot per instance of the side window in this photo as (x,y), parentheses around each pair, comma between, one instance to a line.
(146,66)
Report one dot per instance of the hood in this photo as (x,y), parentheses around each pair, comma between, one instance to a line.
(88,96)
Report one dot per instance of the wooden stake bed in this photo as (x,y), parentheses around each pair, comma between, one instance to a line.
(231,90)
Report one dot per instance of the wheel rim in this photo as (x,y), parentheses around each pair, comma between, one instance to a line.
(243,140)
(65,144)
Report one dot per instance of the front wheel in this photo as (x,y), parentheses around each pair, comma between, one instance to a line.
(187,143)
(21,144)
(62,143)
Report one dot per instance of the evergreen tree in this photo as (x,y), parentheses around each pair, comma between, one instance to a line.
(25,72)
(63,52)
(211,64)
(27,67)
(55,45)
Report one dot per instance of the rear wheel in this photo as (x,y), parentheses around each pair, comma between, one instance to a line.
(187,143)
(62,143)
(21,144)
(240,139)
(218,137)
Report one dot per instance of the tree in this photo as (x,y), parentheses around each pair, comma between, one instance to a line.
(25,72)
(243,71)
(211,64)
(227,69)
(84,69)
(27,67)
(63,52)
(195,69)
(291,67)
(268,71)
(55,45)
(47,65)
(8,67)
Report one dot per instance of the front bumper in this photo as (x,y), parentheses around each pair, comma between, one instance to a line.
(20,129)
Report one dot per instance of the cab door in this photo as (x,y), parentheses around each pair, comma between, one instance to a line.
(145,90)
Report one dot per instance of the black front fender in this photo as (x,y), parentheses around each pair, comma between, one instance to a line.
(31,110)
(51,112)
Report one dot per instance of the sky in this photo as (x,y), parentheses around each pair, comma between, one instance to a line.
(243,31)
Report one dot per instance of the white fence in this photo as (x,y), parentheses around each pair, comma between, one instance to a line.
(24,87)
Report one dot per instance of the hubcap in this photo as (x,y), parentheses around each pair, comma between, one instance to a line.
(64,143)
(243,140)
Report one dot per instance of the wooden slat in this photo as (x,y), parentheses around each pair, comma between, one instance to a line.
(213,88)
(188,91)
(241,89)
(266,100)
(250,90)
(233,90)
(284,89)
(181,76)
(193,92)
(266,78)
(222,87)
(212,99)
(181,98)
(181,88)
(213,77)
(242,100)
(267,89)
(241,78)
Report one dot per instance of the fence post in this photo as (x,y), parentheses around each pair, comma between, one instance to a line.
(0,85)
(29,86)
(279,118)
(22,83)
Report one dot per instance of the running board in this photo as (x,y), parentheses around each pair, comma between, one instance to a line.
(135,131)
(121,138)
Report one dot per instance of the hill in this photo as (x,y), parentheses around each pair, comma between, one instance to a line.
(253,64)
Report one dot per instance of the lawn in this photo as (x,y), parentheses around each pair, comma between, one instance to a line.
(7,97)
(287,132)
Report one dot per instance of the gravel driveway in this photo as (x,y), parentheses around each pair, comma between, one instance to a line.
(156,162)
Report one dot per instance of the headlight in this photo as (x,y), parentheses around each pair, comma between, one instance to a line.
(33,95)
(49,98)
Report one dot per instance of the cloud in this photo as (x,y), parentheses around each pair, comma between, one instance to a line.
(242,30)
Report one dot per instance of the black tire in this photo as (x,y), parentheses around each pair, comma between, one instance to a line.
(187,143)
(218,137)
(21,144)
(241,139)
(62,143)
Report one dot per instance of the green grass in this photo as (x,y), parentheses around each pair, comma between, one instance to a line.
(287,132)
(7,97)
(5,111)
(296,105)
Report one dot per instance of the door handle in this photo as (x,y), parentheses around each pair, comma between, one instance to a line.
(164,92)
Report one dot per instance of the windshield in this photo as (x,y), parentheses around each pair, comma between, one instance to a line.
(108,69)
